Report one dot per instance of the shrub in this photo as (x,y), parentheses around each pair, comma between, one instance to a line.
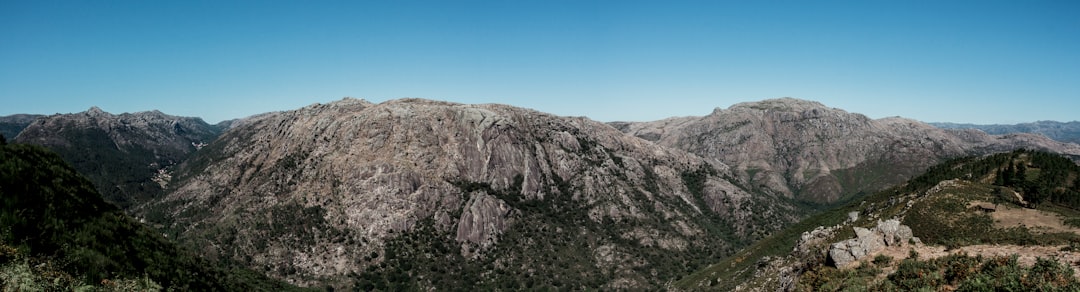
(882,260)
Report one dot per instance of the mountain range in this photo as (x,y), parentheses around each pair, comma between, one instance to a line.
(1064,132)
(421,194)
(818,154)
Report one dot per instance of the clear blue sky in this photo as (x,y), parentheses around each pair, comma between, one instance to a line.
(960,61)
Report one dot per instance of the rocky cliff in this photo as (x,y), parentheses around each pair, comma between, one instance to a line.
(362,195)
(819,154)
(128,156)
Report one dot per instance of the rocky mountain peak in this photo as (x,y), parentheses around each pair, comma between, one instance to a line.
(95,111)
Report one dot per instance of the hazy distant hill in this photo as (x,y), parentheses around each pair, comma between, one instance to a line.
(1065,132)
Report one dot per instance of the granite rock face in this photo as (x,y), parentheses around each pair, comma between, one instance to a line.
(811,152)
(356,175)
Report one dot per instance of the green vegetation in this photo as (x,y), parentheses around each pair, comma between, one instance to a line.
(58,230)
(121,162)
(965,273)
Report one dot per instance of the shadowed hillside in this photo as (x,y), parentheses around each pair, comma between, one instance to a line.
(58,234)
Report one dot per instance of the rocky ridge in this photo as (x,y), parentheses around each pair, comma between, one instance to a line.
(128,156)
(350,188)
(814,153)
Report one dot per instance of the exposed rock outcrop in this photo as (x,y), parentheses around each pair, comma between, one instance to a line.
(867,241)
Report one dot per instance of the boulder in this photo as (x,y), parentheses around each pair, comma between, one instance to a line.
(868,241)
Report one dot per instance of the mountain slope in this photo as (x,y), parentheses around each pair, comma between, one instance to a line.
(52,217)
(128,157)
(824,155)
(1064,132)
(410,194)
(969,214)
(10,126)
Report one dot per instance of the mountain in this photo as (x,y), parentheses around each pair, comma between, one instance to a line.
(1001,222)
(418,194)
(10,126)
(129,157)
(1064,132)
(824,155)
(59,234)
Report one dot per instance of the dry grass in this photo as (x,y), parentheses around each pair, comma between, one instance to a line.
(1008,216)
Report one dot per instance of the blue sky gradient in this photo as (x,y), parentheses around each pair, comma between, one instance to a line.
(954,61)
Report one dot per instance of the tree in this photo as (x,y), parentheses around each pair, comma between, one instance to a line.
(1021,172)
(3,141)
(1008,175)
(999,178)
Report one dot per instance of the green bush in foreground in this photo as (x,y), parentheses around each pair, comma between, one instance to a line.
(964,272)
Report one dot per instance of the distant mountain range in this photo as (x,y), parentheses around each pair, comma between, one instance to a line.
(1065,132)
(418,194)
